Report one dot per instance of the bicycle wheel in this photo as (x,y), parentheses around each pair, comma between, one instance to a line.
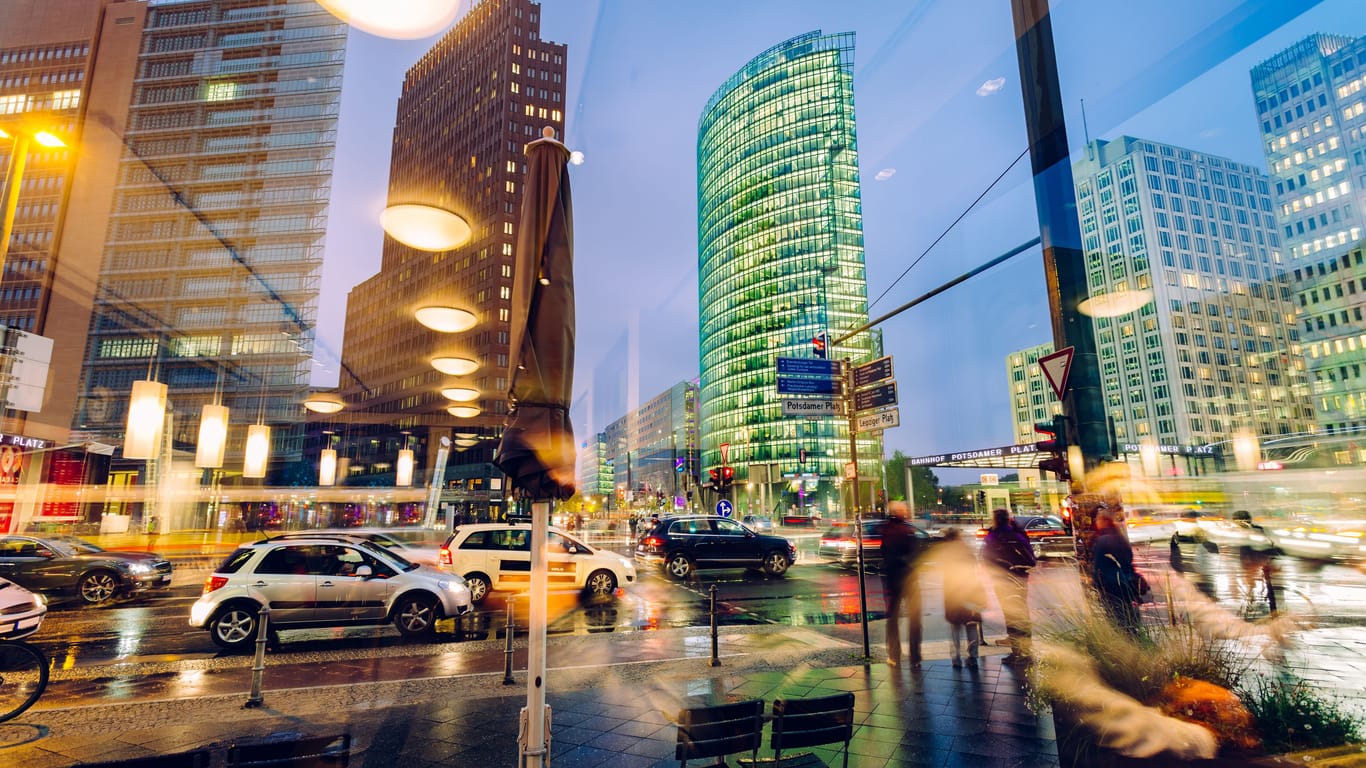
(23,677)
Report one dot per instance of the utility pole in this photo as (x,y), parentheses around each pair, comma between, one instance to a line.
(1060,234)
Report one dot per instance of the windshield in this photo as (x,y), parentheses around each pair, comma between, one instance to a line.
(402,562)
(79,545)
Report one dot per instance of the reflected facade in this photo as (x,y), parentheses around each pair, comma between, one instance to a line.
(780,240)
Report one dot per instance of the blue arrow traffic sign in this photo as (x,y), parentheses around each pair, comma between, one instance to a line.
(724,508)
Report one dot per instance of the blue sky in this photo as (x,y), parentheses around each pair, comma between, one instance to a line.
(937,102)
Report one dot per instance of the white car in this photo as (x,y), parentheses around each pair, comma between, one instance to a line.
(21,611)
(497,557)
(412,551)
(323,583)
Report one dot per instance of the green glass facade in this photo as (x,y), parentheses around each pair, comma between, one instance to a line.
(780,259)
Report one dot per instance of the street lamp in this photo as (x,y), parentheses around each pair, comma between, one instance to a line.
(14,175)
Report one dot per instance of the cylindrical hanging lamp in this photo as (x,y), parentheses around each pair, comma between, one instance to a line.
(257,451)
(146,413)
(403,472)
(327,467)
(213,436)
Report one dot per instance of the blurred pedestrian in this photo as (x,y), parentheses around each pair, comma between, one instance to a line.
(899,584)
(964,595)
(633,522)
(1009,555)
(1112,571)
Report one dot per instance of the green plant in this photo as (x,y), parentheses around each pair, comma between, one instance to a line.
(1290,715)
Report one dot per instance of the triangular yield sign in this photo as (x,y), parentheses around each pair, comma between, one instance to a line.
(1056,367)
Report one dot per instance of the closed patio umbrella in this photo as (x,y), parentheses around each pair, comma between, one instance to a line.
(537,449)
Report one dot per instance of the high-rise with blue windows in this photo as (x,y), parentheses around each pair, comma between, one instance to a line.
(780,260)
(1311,106)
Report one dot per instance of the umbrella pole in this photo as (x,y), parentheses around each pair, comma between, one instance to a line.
(534,742)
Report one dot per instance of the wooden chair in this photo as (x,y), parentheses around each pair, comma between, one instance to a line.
(720,731)
(308,752)
(799,723)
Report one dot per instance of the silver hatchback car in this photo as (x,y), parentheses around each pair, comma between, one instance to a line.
(323,583)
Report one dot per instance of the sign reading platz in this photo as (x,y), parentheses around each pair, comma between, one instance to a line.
(876,422)
(810,406)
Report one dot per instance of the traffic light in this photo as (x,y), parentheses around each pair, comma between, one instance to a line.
(715,474)
(727,478)
(982,497)
(1055,447)
(818,345)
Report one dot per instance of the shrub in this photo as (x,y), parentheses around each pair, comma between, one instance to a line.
(1292,716)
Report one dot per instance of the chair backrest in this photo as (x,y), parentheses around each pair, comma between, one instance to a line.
(309,752)
(801,723)
(719,731)
(196,759)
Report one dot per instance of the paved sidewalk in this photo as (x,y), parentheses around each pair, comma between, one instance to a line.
(603,715)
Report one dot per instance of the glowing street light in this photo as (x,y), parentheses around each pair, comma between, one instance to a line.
(1115,304)
(463,411)
(324,402)
(425,227)
(460,394)
(455,366)
(445,319)
(9,196)
(396,19)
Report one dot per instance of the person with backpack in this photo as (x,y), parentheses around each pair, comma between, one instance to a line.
(1009,556)
(899,584)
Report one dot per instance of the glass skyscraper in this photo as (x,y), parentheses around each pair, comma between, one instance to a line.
(780,260)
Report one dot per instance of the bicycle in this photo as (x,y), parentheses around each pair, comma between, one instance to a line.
(23,677)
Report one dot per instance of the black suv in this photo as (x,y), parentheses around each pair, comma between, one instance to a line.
(684,544)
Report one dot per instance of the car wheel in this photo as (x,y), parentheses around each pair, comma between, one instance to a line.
(478,585)
(415,616)
(775,563)
(233,628)
(679,567)
(97,587)
(600,584)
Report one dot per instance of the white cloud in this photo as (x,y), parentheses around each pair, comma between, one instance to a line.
(884,174)
(991,86)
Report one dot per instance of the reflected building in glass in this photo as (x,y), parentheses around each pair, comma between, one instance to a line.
(780,240)
(467,110)
(645,450)
(213,254)
(1031,399)
(1311,107)
(1215,351)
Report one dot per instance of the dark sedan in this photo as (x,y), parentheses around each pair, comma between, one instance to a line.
(1048,534)
(839,547)
(70,567)
(683,545)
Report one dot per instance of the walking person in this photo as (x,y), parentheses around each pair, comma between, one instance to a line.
(1112,571)
(1009,556)
(899,584)
(964,596)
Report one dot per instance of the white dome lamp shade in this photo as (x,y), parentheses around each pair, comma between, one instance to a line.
(1115,304)
(146,414)
(455,366)
(460,394)
(463,411)
(445,319)
(465,442)
(213,436)
(425,227)
(403,471)
(396,19)
(257,451)
(324,402)
(327,467)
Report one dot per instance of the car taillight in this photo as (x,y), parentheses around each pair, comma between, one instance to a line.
(651,541)
(828,542)
(981,533)
(214,582)
(872,542)
(445,556)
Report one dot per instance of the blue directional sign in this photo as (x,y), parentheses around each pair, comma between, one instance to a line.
(808,366)
(724,508)
(877,397)
(822,386)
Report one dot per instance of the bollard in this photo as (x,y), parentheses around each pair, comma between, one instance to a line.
(715,656)
(507,647)
(258,669)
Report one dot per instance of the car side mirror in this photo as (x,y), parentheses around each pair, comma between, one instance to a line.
(364,572)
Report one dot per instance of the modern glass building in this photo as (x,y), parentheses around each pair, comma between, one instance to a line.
(1311,98)
(780,260)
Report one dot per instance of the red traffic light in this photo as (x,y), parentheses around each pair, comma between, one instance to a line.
(818,345)
(728,473)
(715,475)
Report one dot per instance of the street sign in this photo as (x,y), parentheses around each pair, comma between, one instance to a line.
(810,406)
(808,366)
(850,471)
(825,386)
(876,422)
(871,373)
(883,394)
(1056,367)
(724,508)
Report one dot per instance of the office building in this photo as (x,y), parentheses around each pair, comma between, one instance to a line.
(652,451)
(780,239)
(1310,102)
(467,110)
(209,278)
(1208,347)
(595,469)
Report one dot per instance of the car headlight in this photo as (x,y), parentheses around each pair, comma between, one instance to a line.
(139,568)
(453,584)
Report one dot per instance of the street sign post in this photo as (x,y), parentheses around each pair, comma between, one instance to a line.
(808,366)
(878,421)
(810,406)
(871,373)
(1055,368)
(813,386)
(876,397)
